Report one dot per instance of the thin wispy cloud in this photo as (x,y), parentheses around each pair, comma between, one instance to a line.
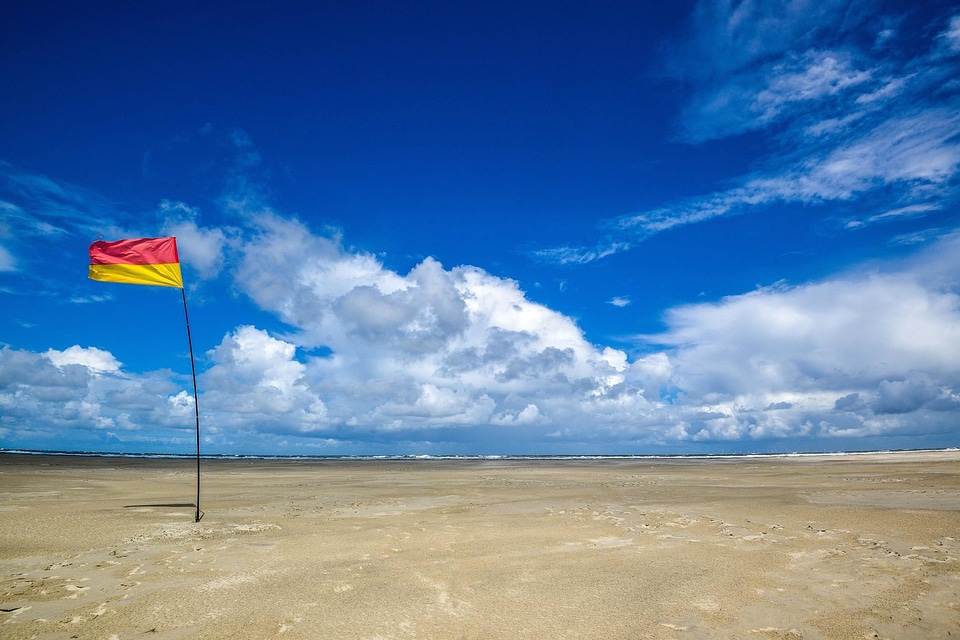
(848,121)
(7,261)
(37,205)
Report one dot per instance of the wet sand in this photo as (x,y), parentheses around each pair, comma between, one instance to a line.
(845,547)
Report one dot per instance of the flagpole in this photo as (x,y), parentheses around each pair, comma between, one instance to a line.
(150,261)
(196,406)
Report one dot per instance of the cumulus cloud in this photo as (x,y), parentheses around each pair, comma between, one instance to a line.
(72,394)
(875,346)
(201,248)
(257,382)
(374,355)
(530,414)
(823,335)
(903,396)
(93,359)
(441,348)
(431,347)
(368,351)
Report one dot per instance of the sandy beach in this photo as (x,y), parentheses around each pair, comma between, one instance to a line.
(829,547)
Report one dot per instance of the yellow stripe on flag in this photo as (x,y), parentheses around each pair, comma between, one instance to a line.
(162,275)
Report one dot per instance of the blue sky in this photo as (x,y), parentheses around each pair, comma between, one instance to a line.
(479,228)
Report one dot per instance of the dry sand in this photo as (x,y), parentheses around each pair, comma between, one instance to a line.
(849,547)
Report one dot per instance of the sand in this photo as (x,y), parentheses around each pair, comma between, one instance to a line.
(832,547)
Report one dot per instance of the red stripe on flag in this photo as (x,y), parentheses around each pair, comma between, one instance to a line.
(135,251)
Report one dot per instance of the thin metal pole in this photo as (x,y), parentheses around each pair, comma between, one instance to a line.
(196,406)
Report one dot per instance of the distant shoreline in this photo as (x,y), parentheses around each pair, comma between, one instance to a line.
(886,455)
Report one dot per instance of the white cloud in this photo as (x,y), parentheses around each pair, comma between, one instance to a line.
(526,416)
(951,35)
(436,406)
(70,395)
(581,255)
(439,348)
(784,360)
(743,64)
(726,35)
(201,248)
(814,76)
(286,269)
(256,382)
(846,121)
(917,155)
(96,360)
(900,213)
(439,351)
(431,347)
(39,206)
(7,261)
(917,152)
(824,334)
(891,88)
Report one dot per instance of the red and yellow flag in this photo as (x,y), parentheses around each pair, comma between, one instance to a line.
(152,261)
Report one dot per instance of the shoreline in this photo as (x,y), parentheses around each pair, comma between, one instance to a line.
(948,452)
